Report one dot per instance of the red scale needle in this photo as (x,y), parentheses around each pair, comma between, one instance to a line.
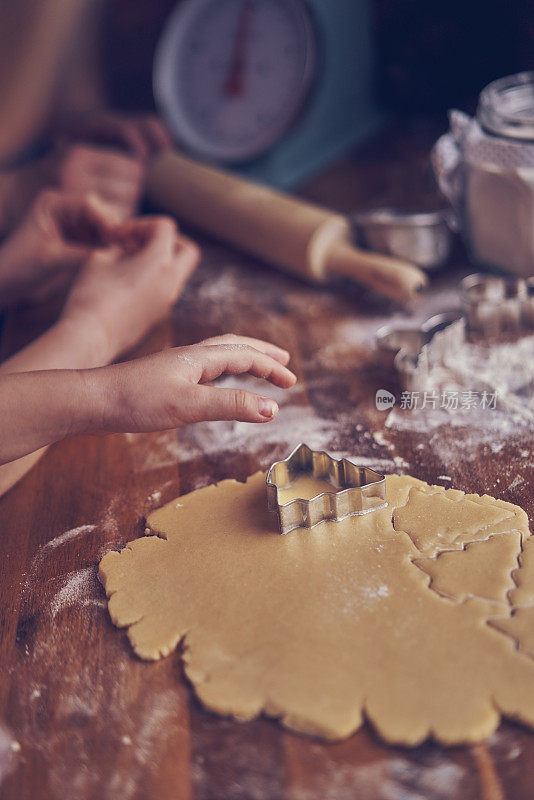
(234,84)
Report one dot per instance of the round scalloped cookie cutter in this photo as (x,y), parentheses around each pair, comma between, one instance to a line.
(424,238)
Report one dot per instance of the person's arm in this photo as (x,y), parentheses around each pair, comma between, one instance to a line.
(41,407)
(64,346)
(35,41)
(115,300)
(51,389)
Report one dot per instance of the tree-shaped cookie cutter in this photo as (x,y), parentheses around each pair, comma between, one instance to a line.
(360,489)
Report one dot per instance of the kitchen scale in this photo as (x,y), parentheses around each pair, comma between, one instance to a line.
(273,89)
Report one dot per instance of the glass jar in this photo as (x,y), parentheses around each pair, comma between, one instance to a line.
(506,107)
(485,166)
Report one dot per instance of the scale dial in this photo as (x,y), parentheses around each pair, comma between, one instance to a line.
(230,76)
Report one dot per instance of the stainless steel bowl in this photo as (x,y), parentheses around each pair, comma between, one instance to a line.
(424,238)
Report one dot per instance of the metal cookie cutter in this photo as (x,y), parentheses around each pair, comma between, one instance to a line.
(491,305)
(415,351)
(496,305)
(358,492)
(424,238)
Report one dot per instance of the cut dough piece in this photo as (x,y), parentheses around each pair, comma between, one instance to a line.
(483,569)
(520,626)
(436,522)
(523,595)
(320,627)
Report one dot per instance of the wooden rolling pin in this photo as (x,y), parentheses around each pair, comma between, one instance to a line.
(290,233)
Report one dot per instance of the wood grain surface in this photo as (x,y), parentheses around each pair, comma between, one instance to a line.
(91,720)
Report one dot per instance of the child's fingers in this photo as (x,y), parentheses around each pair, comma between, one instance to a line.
(156,133)
(106,163)
(209,403)
(71,256)
(185,259)
(236,359)
(105,214)
(80,220)
(126,133)
(118,190)
(151,237)
(272,350)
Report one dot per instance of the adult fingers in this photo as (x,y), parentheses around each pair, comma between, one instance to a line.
(272,350)
(208,403)
(236,359)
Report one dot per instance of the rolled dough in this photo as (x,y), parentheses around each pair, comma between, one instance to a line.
(324,627)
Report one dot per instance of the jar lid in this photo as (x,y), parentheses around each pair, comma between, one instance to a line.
(506,106)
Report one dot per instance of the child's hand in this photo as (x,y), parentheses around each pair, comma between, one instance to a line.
(173,388)
(126,289)
(115,177)
(78,169)
(163,391)
(52,241)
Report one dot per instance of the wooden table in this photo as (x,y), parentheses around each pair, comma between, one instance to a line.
(91,720)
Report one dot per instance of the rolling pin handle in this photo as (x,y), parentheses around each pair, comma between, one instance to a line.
(398,280)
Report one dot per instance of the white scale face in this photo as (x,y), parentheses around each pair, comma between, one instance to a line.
(231,75)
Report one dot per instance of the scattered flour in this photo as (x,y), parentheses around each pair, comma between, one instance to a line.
(517,481)
(296,423)
(381,440)
(506,370)
(397,779)
(77,589)
(58,541)
(73,533)
(9,749)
